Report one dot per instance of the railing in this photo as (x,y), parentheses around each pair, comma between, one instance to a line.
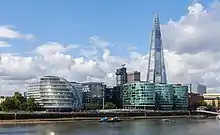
(210,112)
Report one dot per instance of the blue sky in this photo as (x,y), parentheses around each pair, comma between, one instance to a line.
(74,21)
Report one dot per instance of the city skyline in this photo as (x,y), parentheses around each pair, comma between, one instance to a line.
(86,43)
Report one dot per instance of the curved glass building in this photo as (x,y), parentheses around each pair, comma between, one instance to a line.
(55,94)
(138,95)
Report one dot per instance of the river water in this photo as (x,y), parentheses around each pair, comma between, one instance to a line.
(136,127)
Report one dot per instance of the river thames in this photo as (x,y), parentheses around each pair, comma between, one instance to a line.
(136,127)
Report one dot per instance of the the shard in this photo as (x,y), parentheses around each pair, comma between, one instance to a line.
(156,72)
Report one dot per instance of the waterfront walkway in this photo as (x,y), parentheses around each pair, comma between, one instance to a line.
(208,112)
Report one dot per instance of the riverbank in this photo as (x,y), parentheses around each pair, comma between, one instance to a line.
(77,119)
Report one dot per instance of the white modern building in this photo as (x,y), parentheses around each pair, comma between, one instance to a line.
(55,94)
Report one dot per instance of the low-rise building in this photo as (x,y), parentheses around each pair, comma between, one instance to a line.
(193,100)
(212,99)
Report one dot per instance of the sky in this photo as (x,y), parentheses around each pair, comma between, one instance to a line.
(87,40)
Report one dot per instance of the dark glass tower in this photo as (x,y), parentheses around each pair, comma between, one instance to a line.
(121,76)
(156,72)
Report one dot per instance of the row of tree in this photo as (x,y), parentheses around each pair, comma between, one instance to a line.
(18,102)
(210,107)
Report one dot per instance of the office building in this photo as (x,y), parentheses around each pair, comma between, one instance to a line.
(156,71)
(54,94)
(97,91)
(164,96)
(134,77)
(121,76)
(180,97)
(138,95)
(197,88)
(86,96)
(114,95)
(144,95)
(78,87)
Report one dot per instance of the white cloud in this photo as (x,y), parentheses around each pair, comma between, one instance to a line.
(191,55)
(52,48)
(4,44)
(98,42)
(8,32)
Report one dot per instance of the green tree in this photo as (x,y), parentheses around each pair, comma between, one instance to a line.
(32,105)
(8,104)
(92,106)
(18,102)
(213,103)
(109,105)
(202,103)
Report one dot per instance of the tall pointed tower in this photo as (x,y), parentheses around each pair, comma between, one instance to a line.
(156,72)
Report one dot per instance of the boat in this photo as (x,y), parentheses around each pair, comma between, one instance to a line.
(167,120)
(103,119)
(112,119)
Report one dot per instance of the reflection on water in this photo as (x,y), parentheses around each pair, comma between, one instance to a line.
(138,127)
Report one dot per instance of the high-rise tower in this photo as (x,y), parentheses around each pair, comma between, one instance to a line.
(121,76)
(156,72)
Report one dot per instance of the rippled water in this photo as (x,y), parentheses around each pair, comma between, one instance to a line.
(137,127)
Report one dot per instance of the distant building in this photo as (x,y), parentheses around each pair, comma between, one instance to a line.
(196,88)
(97,91)
(86,96)
(134,77)
(121,76)
(54,94)
(212,99)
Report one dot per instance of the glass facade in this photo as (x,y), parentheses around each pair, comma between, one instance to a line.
(144,95)
(140,95)
(164,96)
(55,94)
(180,97)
